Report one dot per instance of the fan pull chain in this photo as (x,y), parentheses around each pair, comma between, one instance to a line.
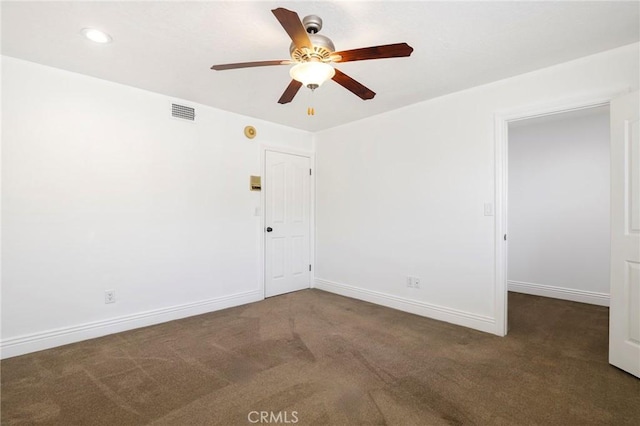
(310,109)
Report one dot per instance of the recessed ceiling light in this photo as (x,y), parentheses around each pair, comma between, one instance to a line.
(96,35)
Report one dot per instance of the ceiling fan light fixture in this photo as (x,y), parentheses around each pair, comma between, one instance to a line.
(312,74)
(312,53)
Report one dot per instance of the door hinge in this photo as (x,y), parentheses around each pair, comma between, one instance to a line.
(309,172)
(309,267)
(505,237)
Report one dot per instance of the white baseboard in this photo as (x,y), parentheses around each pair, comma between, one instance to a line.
(453,316)
(62,336)
(582,296)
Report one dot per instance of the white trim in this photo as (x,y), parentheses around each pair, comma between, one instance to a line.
(500,220)
(453,316)
(312,207)
(501,125)
(541,110)
(62,336)
(582,296)
(313,251)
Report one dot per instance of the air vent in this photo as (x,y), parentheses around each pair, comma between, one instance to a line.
(183,112)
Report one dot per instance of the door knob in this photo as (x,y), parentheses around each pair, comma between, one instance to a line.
(269,229)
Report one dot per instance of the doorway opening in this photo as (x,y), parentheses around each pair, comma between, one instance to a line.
(558,221)
(558,206)
(553,175)
(624,261)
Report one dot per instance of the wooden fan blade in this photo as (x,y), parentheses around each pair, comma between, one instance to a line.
(375,52)
(353,86)
(290,92)
(249,65)
(291,23)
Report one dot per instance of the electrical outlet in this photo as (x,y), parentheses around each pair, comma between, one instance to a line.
(409,282)
(416,282)
(109,296)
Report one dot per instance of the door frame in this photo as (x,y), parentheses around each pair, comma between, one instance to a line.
(501,174)
(263,200)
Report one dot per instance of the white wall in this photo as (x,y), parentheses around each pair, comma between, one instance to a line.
(102,189)
(402,193)
(559,206)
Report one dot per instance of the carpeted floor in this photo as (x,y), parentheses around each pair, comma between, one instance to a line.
(318,358)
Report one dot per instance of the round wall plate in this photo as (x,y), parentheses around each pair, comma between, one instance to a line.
(250,132)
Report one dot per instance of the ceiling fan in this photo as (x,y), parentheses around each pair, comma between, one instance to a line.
(312,54)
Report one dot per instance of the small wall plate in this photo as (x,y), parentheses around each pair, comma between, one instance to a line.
(250,132)
(255,183)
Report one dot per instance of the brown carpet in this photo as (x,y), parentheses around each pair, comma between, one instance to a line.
(319,358)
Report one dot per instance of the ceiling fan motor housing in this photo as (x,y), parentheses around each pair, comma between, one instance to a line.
(322,46)
(320,51)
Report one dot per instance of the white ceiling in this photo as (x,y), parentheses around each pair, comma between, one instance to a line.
(168,47)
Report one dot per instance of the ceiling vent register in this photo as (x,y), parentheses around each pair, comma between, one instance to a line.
(183,112)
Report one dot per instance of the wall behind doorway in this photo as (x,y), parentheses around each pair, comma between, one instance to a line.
(558,206)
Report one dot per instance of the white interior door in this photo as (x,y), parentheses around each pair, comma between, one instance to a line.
(287,211)
(624,313)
